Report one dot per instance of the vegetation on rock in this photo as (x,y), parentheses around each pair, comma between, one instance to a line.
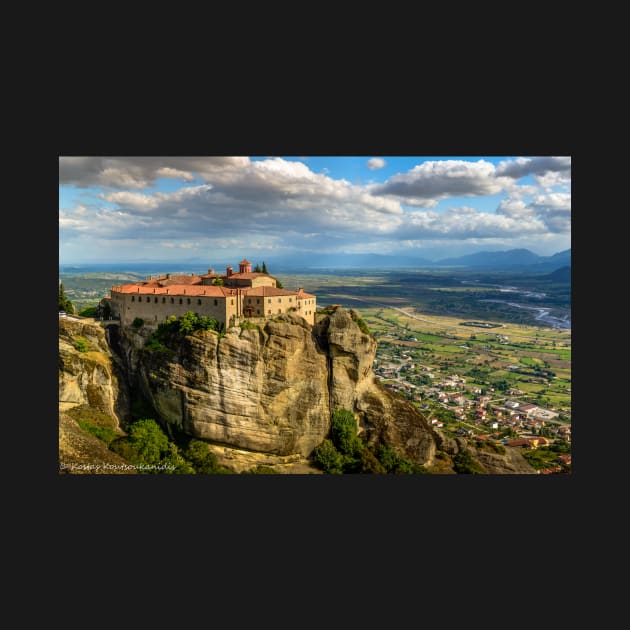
(346,453)
(64,303)
(81,344)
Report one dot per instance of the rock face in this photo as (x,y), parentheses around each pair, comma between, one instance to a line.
(82,453)
(512,462)
(258,396)
(269,391)
(273,389)
(88,377)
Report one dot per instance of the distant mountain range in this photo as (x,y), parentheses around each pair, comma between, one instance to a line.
(513,259)
(510,260)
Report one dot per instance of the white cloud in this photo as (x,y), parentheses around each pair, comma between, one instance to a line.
(140,172)
(551,179)
(555,210)
(276,204)
(466,223)
(426,184)
(135,201)
(534,166)
(375,163)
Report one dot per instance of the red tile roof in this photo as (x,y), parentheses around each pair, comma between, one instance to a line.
(249,276)
(176,290)
(244,262)
(179,279)
(517,443)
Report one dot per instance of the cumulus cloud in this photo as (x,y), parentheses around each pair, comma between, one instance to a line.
(375,163)
(270,196)
(555,210)
(466,223)
(278,204)
(552,209)
(140,172)
(520,167)
(426,184)
(136,201)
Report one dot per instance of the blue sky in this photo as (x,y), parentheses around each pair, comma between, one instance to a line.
(209,208)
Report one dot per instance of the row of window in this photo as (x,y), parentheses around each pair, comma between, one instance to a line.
(216,302)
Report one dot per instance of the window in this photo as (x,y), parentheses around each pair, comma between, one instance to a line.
(269,300)
(198,301)
(181,301)
(216,302)
(269,311)
(257,311)
(279,310)
(257,301)
(163,300)
(290,299)
(172,300)
(279,300)
(232,301)
(188,300)
(133,298)
(148,299)
(155,300)
(249,300)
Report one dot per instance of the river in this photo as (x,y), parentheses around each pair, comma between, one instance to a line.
(542,316)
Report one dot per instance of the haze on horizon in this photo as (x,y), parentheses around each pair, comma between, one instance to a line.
(223,208)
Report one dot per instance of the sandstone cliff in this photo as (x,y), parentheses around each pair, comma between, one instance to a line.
(258,396)
(89,376)
(273,389)
(89,379)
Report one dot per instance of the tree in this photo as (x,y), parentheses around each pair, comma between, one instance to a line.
(188,323)
(64,303)
(146,443)
(264,268)
(175,464)
(202,459)
(327,457)
(257,268)
(279,284)
(465,464)
(217,282)
(344,433)
(88,311)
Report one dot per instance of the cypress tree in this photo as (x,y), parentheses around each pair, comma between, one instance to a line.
(64,303)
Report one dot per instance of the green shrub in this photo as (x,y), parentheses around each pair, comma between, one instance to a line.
(82,344)
(88,311)
(328,458)
(245,325)
(360,322)
(175,464)
(202,460)
(138,322)
(261,470)
(397,465)
(463,463)
(369,464)
(145,444)
(344,433)
(106,434)
(154,345)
